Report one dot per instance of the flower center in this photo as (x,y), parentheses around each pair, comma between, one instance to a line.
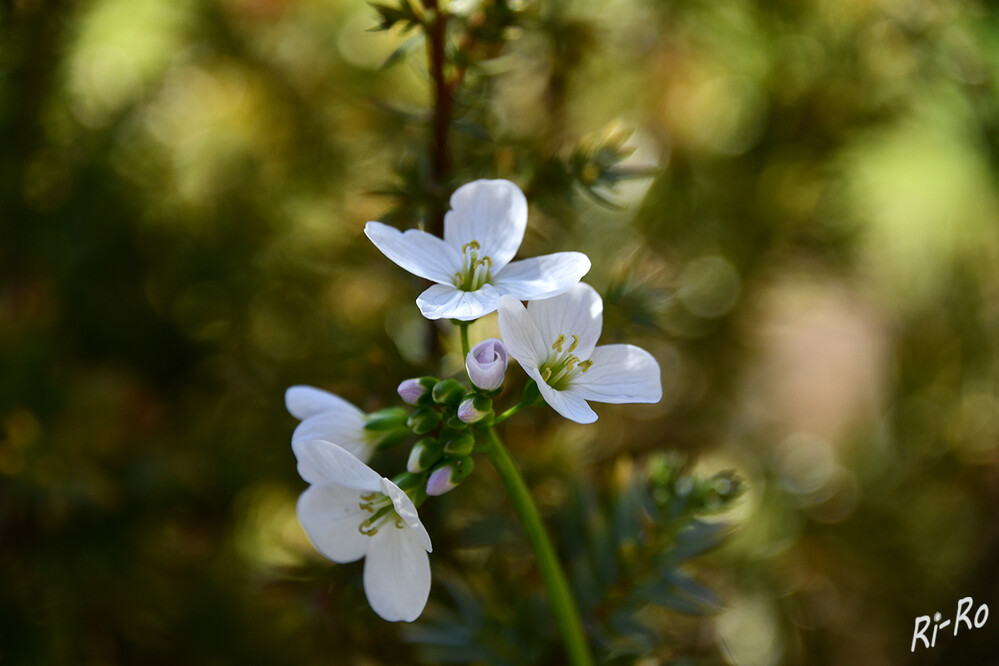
(474,269)
(561,367)
(382,511)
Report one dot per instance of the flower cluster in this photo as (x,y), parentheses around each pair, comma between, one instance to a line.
(350,511)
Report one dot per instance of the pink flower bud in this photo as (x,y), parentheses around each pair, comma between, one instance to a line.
(449,474)
(440,482)
(486,364)
(411,391)
(473,410)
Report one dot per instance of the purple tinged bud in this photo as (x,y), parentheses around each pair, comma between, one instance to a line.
(440,482)
(486,364)
(411,391)
(469,412)
(449,474)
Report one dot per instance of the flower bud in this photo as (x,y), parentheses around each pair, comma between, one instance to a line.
(474,409)
(386,419)
(448,392)
(486,364)
(447,475)
(460,445)
(424,454)
(455,424)
(412,390)
(423,420)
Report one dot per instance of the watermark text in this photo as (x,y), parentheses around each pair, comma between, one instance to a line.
(963,618)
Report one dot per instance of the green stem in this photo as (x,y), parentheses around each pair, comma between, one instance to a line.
(508,413)
(464,339)
(563,606)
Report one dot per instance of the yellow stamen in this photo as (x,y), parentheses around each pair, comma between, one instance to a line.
(561,368)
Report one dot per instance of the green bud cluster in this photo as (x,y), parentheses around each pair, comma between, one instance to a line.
(444,419)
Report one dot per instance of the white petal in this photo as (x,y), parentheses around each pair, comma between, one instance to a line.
(417,251)
(331,516)
(579,311)
(567,403)
(542,277)
(492,212)
(344,428)
(397,574)
(520,334)
(324,463)
(406,510)
(443,301)
(620,373)
(305,401)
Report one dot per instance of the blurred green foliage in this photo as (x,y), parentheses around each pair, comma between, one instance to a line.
(811,252)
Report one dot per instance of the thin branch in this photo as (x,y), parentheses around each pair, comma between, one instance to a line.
(436,28)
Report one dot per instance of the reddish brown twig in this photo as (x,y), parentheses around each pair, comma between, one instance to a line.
(436,28)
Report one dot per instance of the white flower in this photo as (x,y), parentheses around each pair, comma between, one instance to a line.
(554,340)
(330,417)
(349,511)
(471,265)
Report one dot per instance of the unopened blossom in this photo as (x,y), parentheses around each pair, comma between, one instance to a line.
(486,364)
(349,511)
(424,454)
(448,475)
(411,390)
(325,415)
(474,409)
(440,482)
(554,340)
(472,264)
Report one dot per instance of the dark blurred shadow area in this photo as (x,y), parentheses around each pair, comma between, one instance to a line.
(814,261)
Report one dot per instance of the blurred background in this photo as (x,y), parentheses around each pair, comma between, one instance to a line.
(792,205)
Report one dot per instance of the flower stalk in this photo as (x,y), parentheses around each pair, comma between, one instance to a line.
(463,325)
(563,605)
(436,30)
(509,412)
